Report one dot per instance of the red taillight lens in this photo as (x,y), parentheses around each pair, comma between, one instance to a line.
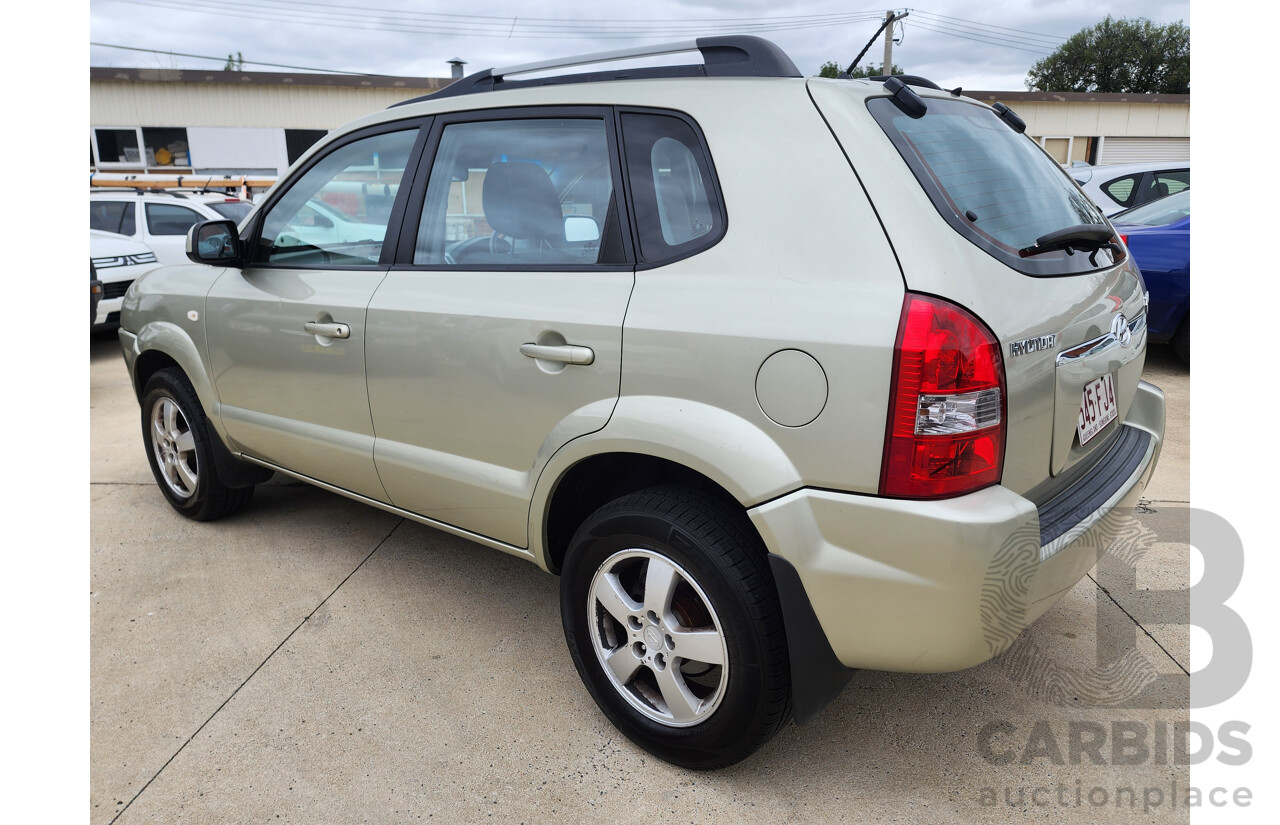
(1124,239)
(946,416)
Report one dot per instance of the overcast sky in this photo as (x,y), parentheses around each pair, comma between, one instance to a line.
(979,46)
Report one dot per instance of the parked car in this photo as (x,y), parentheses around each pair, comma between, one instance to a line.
(160,219)
(768,420)
(1158,235)
(1126,185)
(95,294)
(318,224)
(114,263)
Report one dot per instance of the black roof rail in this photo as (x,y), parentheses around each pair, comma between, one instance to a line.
(728,56)
(910,80)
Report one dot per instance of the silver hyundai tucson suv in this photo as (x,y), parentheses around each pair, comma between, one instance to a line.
(781,376)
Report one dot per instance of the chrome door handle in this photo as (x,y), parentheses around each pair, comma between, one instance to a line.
(567,354)
(328,330)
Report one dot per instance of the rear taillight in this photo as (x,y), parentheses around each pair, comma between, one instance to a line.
(1124,239)
(946,414)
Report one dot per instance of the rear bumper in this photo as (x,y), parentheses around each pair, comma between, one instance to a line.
(944,585)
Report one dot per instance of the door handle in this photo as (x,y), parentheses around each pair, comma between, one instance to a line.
(328,330)
(567,354)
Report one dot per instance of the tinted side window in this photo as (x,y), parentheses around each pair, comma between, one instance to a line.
(336,213)
(1120,190)
(525,192)
(112,216)
(1168,182)
(677,210)
(163,219)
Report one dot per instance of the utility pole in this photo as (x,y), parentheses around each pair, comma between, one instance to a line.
(887,26)
(887,68)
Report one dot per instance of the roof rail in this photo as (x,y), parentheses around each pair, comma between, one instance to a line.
(728,56)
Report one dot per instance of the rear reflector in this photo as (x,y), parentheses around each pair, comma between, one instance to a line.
(946,417)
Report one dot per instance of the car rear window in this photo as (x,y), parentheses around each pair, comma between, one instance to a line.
(993,185)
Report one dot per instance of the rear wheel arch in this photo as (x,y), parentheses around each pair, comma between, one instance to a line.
(599,479)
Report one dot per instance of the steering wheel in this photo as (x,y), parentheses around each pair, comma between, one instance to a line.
(481,243)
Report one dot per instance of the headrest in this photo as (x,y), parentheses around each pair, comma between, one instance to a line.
(521,202)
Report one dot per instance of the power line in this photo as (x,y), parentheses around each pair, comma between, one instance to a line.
(294,11)
(253,62)
(985,39)
(972,23)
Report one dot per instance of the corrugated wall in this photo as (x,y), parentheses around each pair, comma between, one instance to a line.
(216,104)
(1104,119)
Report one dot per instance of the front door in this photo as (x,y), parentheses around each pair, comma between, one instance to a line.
(500,337)
(287,335)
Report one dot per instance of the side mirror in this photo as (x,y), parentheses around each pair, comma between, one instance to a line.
(215,242)
(581,229)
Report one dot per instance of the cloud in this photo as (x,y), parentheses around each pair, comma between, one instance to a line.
(954,43)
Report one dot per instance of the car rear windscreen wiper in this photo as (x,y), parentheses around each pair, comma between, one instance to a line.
(1085,236)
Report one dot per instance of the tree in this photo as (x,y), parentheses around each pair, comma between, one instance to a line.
(833,69)
(1122,55)
(235,63)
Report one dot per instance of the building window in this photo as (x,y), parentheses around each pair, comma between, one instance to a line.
(166,146)
(155,148)
(118,146)
(298,141)
(1069,150)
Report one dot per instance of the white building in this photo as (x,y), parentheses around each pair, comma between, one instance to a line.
(182,121)
(1103,128)
(179,121)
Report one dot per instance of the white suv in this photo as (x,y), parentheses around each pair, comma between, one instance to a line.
(116,262)
(160,219)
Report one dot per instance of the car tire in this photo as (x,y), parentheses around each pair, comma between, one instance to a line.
(671,570)
(1182,342)
(178,441)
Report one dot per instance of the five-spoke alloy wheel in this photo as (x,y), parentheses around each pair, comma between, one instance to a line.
(174,448)
(663,649)
(179,443)
(673,622)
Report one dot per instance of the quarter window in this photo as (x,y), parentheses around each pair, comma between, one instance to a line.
(336,214)
(1120,190)
(527,192)
(676,209)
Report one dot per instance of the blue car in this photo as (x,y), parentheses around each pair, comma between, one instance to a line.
(1158,235)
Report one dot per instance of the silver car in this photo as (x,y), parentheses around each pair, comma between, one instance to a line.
(781,376)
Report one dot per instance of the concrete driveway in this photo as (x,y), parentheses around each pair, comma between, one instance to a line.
(313,660)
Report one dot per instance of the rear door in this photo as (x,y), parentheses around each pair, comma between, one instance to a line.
(287,335)
(497,337)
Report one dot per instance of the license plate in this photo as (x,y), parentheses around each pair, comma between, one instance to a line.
(1097,407)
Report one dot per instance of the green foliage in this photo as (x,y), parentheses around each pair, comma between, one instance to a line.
(1133,56)
(833,69)
(235,63)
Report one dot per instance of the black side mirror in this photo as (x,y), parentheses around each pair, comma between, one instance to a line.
(215,242)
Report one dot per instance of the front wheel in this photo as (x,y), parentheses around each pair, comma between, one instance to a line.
(178,441)
(672,619)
